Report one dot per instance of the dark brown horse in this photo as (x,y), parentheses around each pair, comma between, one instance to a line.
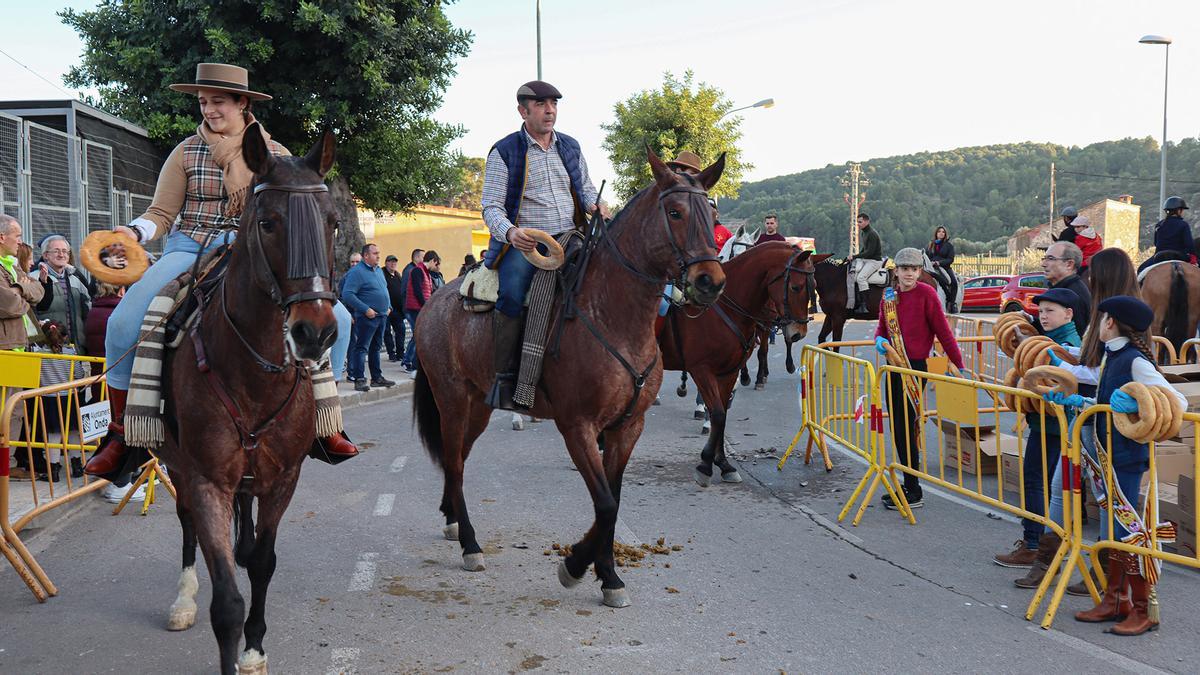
(765,287)
(831,293)
(605,375)
(240,402)
(1173,291)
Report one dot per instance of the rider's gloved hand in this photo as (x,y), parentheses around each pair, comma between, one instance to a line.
(1123,403)
(881,345)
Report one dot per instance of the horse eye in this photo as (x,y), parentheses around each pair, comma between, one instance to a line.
(795,288)
(266,224)
(674,214)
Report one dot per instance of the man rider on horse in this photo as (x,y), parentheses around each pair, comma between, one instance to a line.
(535,178)
(862,266)
(1172,236)
(1069,214)
(201,191)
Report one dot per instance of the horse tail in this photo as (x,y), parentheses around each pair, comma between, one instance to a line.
(1177,319)
(427,417)
(243,528)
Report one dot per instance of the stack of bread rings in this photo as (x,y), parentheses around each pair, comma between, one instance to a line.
(1007,329)
(1159,415)
(1030,353)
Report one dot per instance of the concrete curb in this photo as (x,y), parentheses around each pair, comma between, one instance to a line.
(353,399)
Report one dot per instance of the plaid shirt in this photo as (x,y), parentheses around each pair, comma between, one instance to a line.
(203,214)
(546,204)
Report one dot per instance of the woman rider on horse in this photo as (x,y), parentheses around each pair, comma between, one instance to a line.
(198,201)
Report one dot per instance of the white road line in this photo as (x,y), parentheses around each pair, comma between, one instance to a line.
(364,573)
(343,660)
(398,464)
(626,535)
(383,505)
(1096,651)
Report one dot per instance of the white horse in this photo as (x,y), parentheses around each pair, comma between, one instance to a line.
(936,273)
(741,240)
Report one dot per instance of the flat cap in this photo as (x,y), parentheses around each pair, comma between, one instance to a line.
(537,90)
(390,258)
(1129,311)
(909,257)
(1059,296)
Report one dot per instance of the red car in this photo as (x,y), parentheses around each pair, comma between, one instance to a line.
(982,294)
(1021,290)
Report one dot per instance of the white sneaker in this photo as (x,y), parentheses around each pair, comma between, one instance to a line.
(113,494)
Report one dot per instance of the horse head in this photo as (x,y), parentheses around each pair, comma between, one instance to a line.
(738,243)
(790,292)
(287,231)
(688,237)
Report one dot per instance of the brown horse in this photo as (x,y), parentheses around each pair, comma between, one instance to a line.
(1173,291)
(240,402)
(831,293)
(603,377)
(765,287)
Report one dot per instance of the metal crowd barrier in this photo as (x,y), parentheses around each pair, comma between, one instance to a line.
(1189,350)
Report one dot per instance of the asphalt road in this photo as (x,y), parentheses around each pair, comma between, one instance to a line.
(763,581)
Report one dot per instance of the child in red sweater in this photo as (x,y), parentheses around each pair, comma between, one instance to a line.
(919,314)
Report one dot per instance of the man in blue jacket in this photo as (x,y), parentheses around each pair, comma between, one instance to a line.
(365,294)
(1172,236)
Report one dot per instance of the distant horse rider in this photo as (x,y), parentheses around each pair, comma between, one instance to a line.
(535,178)
(1172,236)
(862,266)
(1069,214)
(941,254)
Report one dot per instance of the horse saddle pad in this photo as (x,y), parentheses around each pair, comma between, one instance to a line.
(480,288)
(882,276)
(1141,276)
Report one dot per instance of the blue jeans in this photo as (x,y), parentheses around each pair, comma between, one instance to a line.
(1034,473)
(368,338)
(516,274)
(179,254)
(393,335)
(337,355)
(411,354)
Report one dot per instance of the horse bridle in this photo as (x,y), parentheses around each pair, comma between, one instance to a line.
(683,262)
(786,317)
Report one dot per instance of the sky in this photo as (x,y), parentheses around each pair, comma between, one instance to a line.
(852,80)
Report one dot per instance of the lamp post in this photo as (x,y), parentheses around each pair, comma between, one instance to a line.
(765,103)
(1165,41)
(539,38)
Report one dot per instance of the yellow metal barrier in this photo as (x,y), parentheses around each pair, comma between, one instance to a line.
(1159,344)
(1187,350)
(839,400)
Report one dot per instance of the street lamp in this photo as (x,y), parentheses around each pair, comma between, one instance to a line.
(765,103)
(1166,41)
(539,38)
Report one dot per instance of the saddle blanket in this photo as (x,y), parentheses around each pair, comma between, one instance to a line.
(1141,276)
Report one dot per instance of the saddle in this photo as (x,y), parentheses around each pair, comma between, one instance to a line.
(212,268)
(882,276)
(480,287)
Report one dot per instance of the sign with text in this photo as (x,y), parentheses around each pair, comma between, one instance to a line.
(94,419)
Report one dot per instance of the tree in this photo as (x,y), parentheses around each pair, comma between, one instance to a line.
(371,69)
(679,116)
(467,190)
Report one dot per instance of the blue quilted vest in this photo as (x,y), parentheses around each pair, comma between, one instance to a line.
(513,149)
(1127,455)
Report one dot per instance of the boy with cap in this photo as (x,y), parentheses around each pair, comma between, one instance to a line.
(1037,547)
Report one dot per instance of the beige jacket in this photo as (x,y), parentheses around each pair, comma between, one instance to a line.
(16,297)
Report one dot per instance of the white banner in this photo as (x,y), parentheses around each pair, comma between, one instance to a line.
(94,419)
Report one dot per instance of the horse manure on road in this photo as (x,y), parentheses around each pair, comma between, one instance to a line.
(625,555)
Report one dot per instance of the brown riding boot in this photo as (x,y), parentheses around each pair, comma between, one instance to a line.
(1047,547)
(1138,621)
(1079,588)
(333,449)
(506,336)
(1115,604)
(112,451)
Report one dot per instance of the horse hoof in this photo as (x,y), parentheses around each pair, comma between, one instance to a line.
(698,413)
(616,597)
(473,562)
(702,479)
(450,532)
(731,476)
(518,424)
(565,578)
(681,391)
(536,420)
(759,386)
(252,663)
(182,617)
(705,429)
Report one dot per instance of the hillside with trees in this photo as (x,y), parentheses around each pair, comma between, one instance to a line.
(981,194)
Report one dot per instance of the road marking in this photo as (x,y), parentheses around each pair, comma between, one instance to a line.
(626,535)
(398,464)
(1096,651)
(343,660)
(364,573)
(383,505)
(928,489)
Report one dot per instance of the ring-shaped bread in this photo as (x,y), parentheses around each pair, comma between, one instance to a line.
(137,262)
(1044,379)
(553,259)
(1137,426)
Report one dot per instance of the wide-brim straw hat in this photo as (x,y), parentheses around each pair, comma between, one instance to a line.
(687,160)
(221,77)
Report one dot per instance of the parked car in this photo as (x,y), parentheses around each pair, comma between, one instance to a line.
(982,294)
(1020,291)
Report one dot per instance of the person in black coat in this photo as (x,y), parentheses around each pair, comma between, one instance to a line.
(941,254)
(394,333)
(1068,233)
(1172,236)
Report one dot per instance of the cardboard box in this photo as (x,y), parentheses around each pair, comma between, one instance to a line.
(1010,468)
(1190,391)
(1185,528)
(960,449)
(1188,371)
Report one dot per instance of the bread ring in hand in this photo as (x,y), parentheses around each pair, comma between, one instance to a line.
(1137,426)
(1042,358)
(1013,379)
(136,260)
(1029,345)
(1006,319)
(1007,338)
(553,259)
(1162,413)
(893,356)
(1044,379)
(1176,414)
(1030,358)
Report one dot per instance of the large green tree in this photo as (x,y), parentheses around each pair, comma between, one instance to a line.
(680,115)
(467,190)
(373,70)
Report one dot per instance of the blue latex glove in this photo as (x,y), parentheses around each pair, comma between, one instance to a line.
(1054,360)
(1122,402)
(1074,400)
(879,345)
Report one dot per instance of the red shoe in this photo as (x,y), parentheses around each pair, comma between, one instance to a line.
(111,454)
(333,449)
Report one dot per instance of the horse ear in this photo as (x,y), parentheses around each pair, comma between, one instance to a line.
(255,152)
(320,158)
(804,255)
(820,258)
(709,177)
(663,175)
